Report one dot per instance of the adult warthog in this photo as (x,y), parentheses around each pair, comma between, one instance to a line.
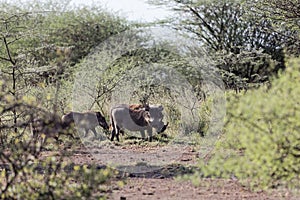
(50,126)
(86,120)
(136,118)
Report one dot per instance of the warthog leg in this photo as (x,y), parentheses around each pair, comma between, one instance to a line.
(115,133)
(94,131)
(86,131)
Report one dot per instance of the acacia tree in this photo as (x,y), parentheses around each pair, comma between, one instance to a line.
(32,50)
(12,36)
(285,15)
(246,50)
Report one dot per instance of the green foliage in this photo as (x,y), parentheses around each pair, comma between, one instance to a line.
(261,144)
(91,27)
(40,42)
(46,39)
(205,114)
(284,15)
(25,173)
(238,35)
(52,179)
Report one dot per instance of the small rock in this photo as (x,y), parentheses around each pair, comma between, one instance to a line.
(186,159)
(148,193)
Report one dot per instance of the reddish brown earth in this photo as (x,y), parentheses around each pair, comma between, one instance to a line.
(149,172)
(149,188)
(143,181)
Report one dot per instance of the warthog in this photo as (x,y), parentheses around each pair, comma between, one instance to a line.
(136,118)
(51,127)
(86,120)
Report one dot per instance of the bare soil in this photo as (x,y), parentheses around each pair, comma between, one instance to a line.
(150,172)
(169,188)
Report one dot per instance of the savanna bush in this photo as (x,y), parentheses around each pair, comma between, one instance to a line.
(53,179)
(261,143)
(27,171)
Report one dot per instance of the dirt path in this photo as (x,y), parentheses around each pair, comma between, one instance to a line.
(151,171)
(209,189)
